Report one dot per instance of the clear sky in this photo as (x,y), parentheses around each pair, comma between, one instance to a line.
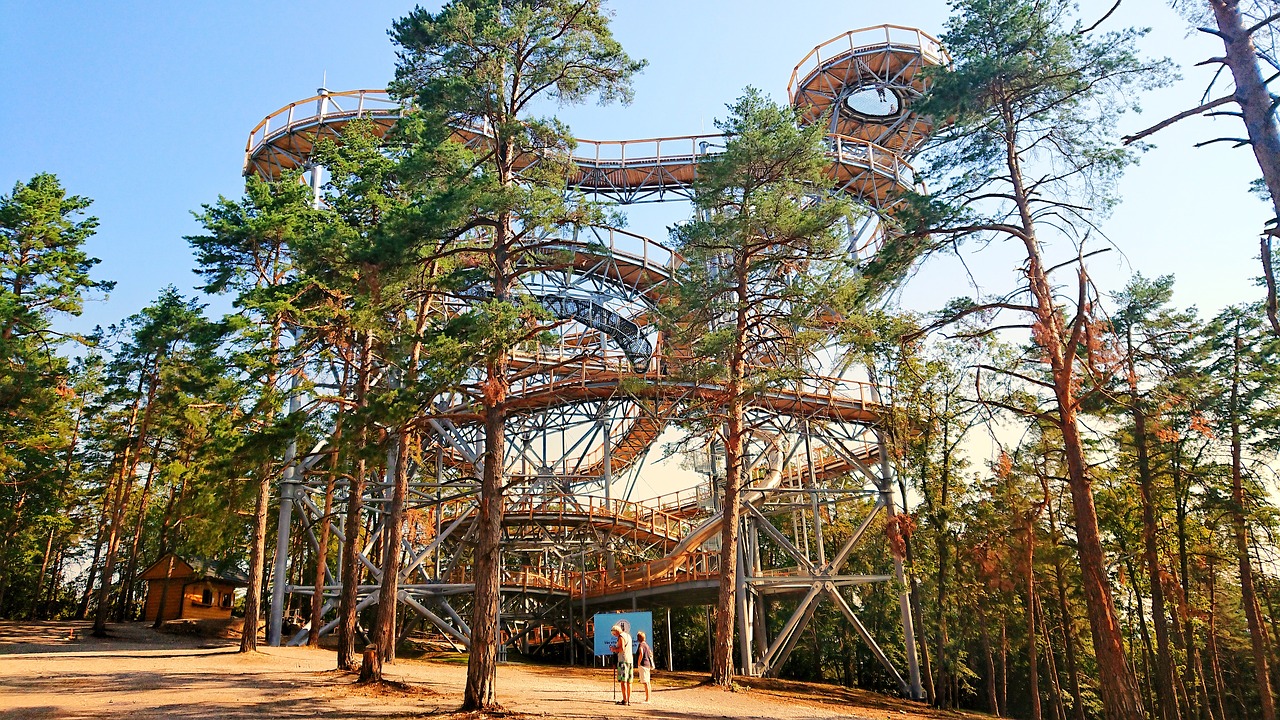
(145,107)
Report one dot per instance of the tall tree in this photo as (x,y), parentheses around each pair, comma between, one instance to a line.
(45,274)
(1249,33)
(1242,364)
(1034,104)
(247,249)
(1155,341)
(150,340)
(380,254)
(486,64)
(763,278)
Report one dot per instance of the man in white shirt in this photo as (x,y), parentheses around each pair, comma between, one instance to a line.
(622,648)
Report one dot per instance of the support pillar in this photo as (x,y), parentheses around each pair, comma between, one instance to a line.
(670,652)
(606,477)
(904,600)
(280,572)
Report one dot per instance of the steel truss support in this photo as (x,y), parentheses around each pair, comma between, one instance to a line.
(813,574)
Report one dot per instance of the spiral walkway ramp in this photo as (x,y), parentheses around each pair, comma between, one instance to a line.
(588,412)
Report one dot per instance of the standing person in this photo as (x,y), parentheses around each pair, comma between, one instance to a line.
(622,648)
(644,661)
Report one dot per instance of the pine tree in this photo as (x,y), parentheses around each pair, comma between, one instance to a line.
(1249,35)
(487,64)
(137,374)
(248,250)
(44,275)
(763,280)
(1154,341)
(1241,364)
(1034,104)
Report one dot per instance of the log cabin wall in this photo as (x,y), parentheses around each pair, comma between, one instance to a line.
(206,600)
(173,600)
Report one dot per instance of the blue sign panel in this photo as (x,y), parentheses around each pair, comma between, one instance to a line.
(632,622)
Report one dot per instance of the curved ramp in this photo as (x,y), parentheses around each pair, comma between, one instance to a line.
(864,82)
(623,518)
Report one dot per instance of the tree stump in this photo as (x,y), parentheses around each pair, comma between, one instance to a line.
(371,665)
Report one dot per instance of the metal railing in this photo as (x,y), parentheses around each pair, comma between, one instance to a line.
(673,152)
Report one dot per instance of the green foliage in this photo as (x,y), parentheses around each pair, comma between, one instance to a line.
(484,66)
(1026,88)
(764,279)
(44,274)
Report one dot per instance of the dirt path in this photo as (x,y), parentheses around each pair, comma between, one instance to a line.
(140,674)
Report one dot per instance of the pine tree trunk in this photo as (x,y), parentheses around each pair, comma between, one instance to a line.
(351,570)
(722,646)
(109,559)
(482,656)
(83,610)
(38,607)
(257,562)
(1068,634)
(1168,704)
(942,548)
(1146,650)
(1033,669)
(926,663)
(1219,686)
(1004,664)
(480,692)
(1194,675)
(993,704)
(1055,685)
(123,481)
(1240,528)
(384,630)
(139,527)
(1116,685)
(1258,113)
(34,611)
(722,643)
(322,552)
(913,600)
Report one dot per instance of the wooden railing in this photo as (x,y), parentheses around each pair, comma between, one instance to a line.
(865,154)
(681,500)
(689,567)
(324,107)
(678,151)
(624,514)
(862,38)
(657,573)
(618,512)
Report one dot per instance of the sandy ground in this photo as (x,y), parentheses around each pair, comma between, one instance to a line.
(139,674)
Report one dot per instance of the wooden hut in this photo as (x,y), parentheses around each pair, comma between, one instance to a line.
(179,589)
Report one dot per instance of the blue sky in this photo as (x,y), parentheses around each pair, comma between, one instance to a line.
(145,107)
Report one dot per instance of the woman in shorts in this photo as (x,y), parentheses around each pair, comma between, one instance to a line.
(644,662)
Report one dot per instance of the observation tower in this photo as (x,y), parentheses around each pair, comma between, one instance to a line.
(588,410)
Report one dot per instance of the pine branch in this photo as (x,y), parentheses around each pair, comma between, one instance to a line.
(1130,139)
